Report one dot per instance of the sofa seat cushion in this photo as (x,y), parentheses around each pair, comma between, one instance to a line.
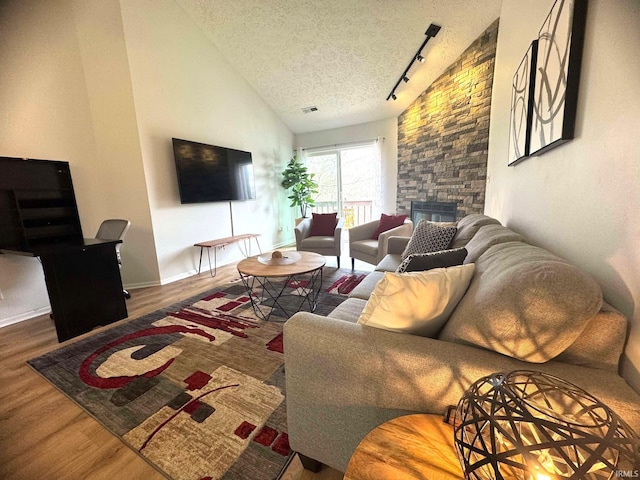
(364,289)
(468,226)
(418,303)
(318,242)
(349,310)
(487,236)
(524,302)
(367,246)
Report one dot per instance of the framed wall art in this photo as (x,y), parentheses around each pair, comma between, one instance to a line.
(560,43)
(522,106)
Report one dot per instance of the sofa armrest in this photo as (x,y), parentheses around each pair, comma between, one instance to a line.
(363,231)
(396,245)
(302,231)
(403,230)
(344,379)
(337,234)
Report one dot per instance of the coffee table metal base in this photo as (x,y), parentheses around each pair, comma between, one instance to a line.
(267,294)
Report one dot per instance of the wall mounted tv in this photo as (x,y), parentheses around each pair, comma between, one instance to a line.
(207,173)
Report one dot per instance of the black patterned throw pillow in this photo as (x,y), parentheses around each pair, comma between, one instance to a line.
(429,237)
(419,262)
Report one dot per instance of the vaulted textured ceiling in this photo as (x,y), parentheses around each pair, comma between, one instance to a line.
(343,56)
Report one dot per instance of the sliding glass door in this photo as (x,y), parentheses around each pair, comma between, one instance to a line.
(349,182)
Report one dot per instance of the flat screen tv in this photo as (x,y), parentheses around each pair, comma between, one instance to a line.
(207,173)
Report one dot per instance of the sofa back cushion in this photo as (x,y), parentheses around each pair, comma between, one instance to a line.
(468,226)
(488,236)
(524,302)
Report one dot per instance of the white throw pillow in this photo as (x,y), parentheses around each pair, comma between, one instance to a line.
(416,302)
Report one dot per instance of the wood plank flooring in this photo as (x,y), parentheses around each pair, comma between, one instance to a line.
(44,435)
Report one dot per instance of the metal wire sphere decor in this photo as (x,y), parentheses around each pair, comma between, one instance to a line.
(534,426)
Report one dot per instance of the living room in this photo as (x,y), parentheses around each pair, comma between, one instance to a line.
(122,78)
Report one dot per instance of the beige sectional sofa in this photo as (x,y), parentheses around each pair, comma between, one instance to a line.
(525,308)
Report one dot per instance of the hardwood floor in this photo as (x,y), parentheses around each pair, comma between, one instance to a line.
(44,435)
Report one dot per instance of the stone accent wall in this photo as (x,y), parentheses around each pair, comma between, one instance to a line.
(443,136)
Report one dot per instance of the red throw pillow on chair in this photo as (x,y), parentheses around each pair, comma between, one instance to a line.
(323,224)
(387,222)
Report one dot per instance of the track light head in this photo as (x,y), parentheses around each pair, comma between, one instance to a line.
(420,58)
(432,31)
(393,95)
(406,79)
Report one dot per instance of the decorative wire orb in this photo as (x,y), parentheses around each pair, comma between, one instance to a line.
(534,426)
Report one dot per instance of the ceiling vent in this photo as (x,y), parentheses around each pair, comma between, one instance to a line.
(309,109)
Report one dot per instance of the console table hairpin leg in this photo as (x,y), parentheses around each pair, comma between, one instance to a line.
(223,242)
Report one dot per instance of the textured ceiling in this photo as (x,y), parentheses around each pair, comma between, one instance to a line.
(343,56)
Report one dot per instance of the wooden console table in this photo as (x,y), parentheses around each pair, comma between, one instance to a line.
(412,447)
(221,243)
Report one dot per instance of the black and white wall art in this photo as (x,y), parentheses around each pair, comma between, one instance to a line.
(555,98)
(521,106)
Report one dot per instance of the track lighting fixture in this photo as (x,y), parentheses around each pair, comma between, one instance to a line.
(432,31)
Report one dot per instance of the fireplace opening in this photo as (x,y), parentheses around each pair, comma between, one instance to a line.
(433,211)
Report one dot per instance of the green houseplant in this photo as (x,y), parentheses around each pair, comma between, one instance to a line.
(301,183)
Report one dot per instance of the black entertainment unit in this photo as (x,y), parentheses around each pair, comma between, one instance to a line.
(39,218)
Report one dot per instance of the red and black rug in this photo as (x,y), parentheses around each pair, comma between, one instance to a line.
(197,388)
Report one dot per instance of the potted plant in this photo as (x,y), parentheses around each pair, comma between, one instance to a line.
(302,185)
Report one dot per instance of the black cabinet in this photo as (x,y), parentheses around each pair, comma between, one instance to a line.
(39,217)
(84,286)
(37,204)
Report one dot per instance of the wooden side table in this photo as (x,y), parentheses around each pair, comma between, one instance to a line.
(411,447)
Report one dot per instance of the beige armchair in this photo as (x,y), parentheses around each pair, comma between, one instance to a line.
(365,248)
(324,245)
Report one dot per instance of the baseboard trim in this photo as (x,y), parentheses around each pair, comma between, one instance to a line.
(133,286)
(175,278)
(5,322)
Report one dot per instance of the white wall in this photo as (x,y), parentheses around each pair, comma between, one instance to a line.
(365,131)
(113,182)
(184,88)
(582,199)
(44,113)
(105,86)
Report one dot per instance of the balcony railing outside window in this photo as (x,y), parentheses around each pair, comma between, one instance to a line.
(353,212)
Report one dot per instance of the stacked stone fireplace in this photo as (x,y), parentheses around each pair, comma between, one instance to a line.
(443,137)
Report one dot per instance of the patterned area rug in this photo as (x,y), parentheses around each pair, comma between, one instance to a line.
(197,388)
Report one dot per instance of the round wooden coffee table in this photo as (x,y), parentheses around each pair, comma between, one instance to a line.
(284,285)
(412,447)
